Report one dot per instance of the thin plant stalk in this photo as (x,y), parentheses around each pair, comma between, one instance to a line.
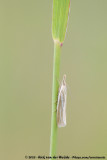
(56,71)
(59,24)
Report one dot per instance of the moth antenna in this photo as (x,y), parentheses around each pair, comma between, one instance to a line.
(64,76)
(64,79)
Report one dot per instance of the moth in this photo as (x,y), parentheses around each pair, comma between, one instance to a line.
(61,103)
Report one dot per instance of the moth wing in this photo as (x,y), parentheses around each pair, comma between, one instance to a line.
(64,97)
(61,107)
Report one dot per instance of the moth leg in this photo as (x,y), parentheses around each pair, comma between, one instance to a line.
(55,110)
(56,104)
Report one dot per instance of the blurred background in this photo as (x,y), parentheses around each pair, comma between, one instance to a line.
(26,65)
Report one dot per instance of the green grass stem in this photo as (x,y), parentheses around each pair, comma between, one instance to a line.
(56,71)
(59,24)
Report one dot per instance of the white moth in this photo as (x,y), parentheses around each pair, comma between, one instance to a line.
(61,104)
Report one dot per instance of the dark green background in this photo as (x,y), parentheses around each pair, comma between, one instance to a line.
(26,64)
